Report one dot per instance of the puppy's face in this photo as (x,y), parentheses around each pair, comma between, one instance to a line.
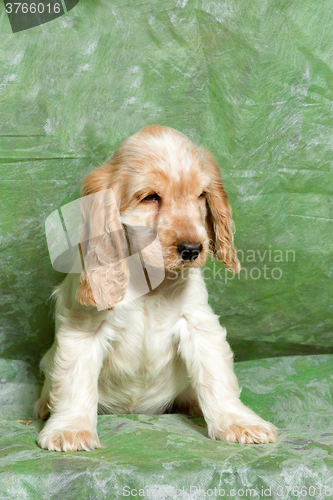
(163,185)
(168,192)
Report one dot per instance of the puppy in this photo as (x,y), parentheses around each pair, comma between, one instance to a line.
(162,350)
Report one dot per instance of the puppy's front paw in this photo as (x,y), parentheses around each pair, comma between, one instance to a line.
(251,433)
(68,440)
(246,433)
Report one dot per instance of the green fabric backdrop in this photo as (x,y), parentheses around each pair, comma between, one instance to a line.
(253,83)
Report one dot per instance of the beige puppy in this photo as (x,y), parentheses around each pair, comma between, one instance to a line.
(164,349)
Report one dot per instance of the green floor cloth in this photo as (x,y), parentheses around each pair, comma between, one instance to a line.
(173,451)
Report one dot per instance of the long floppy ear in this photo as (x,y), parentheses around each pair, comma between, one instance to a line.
(220,223)
(104,280)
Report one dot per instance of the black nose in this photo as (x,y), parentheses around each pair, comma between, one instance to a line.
(189,251)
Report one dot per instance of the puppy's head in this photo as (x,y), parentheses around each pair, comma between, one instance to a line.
(158,179)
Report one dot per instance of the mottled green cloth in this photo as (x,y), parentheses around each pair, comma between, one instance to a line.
(160,454)
(253,83)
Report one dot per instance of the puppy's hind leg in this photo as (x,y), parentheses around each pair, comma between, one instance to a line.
(187,403)
(42,409)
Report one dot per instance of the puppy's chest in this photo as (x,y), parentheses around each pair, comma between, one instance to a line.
(145,342)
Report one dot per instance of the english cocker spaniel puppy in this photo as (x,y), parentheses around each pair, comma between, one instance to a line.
(157,206)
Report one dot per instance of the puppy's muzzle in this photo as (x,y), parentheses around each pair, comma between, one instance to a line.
(189,251)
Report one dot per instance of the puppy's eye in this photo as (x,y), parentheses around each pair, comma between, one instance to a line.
(152,197)
(203,194)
